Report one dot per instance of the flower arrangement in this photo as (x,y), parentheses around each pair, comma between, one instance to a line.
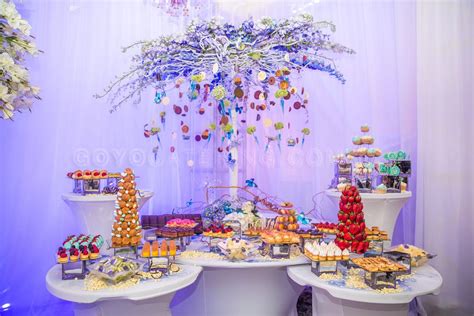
(16,92)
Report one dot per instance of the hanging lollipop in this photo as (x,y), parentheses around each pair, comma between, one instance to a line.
(228,129)
(185,130)
(281,94)
(269,140)
(251,131)
(212,128)
(163,118)
(278,127)
(159,96)
(306,131)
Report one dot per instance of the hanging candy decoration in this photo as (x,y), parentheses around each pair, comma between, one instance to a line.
(230,161)
(306,131)
(251,131)
(269,140)
(278,127)
(185,130)
(163,118)
(236,59)
(251,183)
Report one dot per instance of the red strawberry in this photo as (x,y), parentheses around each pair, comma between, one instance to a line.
(361,248)
(345,192)
(345,229)
(351,199)
(63,255)
(352,217)
(362,226)
(348,222)
(357,198)
(354,229)
(347,237)
(359,217)
(350,193)
(344,199)
(359,237)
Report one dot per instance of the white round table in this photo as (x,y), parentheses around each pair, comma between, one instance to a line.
(379,209)
(146,298)
(332,298)
(94,212)
(239,288)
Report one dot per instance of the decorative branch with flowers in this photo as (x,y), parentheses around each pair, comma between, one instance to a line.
(16,91)
(238,72)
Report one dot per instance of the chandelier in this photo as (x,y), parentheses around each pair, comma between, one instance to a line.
(177,8)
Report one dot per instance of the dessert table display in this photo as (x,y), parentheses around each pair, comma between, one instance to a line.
(94,212)
(348,295)
(150,297)
(381,209)
(258,285)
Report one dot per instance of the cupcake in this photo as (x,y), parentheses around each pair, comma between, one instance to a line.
(381,188)
(356,140)
(378,152)
(364,128)
(338,254)
(345,254)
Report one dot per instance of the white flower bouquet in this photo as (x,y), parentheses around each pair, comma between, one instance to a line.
(16,92)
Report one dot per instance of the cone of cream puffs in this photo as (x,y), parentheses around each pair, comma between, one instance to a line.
(126,230)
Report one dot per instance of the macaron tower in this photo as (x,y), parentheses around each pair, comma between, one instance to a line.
(126,229)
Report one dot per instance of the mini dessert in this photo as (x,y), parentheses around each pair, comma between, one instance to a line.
(364,128)
(378,152)
(178,222)
(418,255)
(403,187)
(323,252)
(103,174)
(345,254)
(73,254)
(174,232)
(375,234)
(154,249)
(236,249)
(381,189)
(146,250)
(356,140)
(77,175)
(328,228)
(163,249)
(218,231)
(84,252)
(378,264)
(87,175)
(172,248)
(279,237)
(96,174)
(94,251)
(62,255)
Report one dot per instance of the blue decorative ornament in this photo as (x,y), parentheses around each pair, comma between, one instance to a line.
(251,183)
(302,219)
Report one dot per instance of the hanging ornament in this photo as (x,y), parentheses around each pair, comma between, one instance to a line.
(269,140)
(251,183)
(306,131)
(278,127)
(251,131)
(302,219)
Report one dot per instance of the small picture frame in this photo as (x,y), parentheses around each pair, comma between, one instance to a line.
(91,186)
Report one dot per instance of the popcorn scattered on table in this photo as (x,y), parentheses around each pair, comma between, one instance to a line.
(331,276)
(94,283)
(355,279)
(195,254)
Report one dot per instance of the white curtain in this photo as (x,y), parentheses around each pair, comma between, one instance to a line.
(70,130)
(445,193)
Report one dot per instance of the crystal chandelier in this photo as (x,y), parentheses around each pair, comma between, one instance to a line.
(178,8)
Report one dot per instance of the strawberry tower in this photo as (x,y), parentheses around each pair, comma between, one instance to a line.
(351,227)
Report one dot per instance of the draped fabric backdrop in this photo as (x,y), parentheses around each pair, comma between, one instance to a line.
(70,130)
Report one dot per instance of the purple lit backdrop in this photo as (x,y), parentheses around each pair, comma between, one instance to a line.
(70,130)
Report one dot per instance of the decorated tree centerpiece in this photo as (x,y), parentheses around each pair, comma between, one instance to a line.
(230,77)
(351,227)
